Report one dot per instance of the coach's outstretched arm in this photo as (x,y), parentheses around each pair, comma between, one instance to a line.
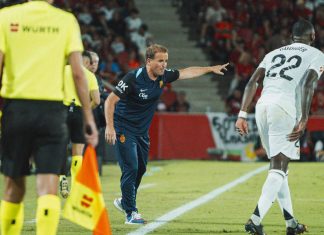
(192,72)
(110,103)
(249,92)
(309,79)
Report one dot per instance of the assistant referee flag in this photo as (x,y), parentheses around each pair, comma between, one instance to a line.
(85,205)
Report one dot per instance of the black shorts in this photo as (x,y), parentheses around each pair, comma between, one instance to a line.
(33,129)
(75,125)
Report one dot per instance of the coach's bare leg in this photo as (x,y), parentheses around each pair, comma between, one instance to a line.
(12,209)
(48,204)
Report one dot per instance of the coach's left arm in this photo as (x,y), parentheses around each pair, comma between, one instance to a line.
(192,72)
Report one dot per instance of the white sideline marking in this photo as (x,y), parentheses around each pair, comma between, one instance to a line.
(32,221)
(145,186)
(195,203)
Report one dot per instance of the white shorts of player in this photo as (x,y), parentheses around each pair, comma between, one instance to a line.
(274,124)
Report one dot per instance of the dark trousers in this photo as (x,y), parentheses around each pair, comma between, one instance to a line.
(132,155)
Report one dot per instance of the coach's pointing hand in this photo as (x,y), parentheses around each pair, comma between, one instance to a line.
(218,69)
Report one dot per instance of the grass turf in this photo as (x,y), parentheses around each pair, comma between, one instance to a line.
(174,183)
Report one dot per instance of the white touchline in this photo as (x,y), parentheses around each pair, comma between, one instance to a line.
(32,221)
(193,204)
(145,186)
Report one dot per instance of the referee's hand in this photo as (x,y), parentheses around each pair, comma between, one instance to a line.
(91,134)
(110,135)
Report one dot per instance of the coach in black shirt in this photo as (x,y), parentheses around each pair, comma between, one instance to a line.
(129,111)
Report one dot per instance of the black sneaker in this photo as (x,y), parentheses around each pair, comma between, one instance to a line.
(300,228)
(251,228)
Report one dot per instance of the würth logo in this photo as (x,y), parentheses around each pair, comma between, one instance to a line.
(14,27)
(86,201)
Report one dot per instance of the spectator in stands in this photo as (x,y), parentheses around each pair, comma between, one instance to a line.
(169,96)
(133,21)
(117,25)
(319,150)
(133,60)
(318,103)
(181,104)
(243,71)
(279,39)
(233,102)
(141,38)
(214,14)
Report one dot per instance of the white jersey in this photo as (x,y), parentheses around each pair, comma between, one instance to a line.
(285,68)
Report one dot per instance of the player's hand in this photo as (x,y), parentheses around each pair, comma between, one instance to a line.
(110,135)
(218,69)
(91,133)
(242,126)
(298,131)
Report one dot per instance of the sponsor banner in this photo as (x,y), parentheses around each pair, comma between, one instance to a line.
(228,140)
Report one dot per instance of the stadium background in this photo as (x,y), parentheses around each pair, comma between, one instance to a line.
(196,34)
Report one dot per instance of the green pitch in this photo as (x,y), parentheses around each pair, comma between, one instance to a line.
(171,184)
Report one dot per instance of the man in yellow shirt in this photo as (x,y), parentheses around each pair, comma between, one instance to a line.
(36,40)
(75,119)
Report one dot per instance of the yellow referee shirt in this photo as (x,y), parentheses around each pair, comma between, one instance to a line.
(36,39)
(70,92)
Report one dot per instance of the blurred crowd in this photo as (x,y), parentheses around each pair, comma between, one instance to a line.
(114,29)
(243,31)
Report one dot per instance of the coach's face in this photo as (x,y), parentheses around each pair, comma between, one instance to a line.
(159,63)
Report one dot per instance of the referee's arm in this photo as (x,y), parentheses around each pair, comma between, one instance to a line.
(1,62)
(81,85)
(95,98)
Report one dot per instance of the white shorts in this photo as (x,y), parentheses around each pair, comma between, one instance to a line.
(274,124)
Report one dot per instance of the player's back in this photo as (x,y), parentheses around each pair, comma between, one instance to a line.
(36,39)
(285,68)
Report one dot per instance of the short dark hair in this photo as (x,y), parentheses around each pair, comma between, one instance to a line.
(302,28)
(153,49)
(87,54)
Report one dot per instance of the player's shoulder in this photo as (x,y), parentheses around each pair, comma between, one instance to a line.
(89,74)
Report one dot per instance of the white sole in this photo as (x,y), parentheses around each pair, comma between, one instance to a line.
(117,207)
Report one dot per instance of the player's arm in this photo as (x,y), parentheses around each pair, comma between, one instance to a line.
(110,103)
(192,72)
(249,92)
(81,85)
(309,79)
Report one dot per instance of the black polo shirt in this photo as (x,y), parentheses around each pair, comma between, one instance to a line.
(139,96)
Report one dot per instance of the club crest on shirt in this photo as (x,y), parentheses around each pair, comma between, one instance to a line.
(122,139)
(161,84)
